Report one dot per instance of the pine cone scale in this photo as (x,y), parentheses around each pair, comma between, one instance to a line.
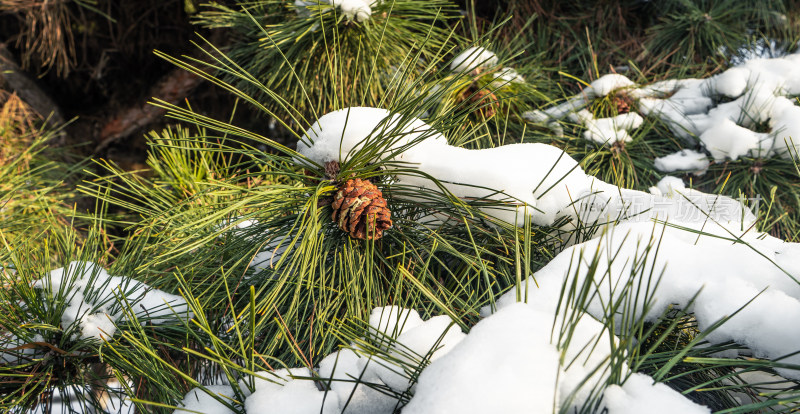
(360,210)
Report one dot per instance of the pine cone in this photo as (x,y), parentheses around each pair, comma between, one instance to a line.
(482,97)
(360,209)
(623,102)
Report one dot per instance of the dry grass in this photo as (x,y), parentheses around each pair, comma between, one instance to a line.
(18,127)
(46,36)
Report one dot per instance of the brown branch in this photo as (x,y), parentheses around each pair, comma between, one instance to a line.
(173,87)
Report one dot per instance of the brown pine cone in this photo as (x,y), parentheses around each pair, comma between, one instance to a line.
(482,97)
(360,209)
(622,102)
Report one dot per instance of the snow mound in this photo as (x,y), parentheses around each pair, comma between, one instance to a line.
(338,134)
(289,395)
(352,379)
(743,111)
(640,395)
(95,299)
(472,59)
(506,75)
(537,179)
(198,400)
(758,269)
(344,373)
(473,379)
(609,131)
(606,84)
(683,160)
(393,320)
(358,10)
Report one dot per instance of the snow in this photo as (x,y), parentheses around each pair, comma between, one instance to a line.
(606,204)
(539,178)
(731,83)
(352,377)
(556,112)
(727,268)
(338,134)
(344,373)
(393,320)
(533,373)
(432,339)
(471,377)
(606,84)
(199,401)
(506,76)
(726,140)
(640,395)
(95,299)
(756,94)
(786,126)
(609,130)
(726,275)
(288,395)
(358,10)
(683,160)
(474,58)
(668,186)
(477,378)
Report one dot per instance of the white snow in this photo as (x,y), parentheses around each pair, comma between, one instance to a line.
(640,395)
(610,83)
(393,320)
(284,394)
(95,299)
(724,270)
(432,339)
(757,91)
(474,58)
(668,186)
(533,373)
(683,160)
(338,134)
(731,83)
(358,10)
(560,111)
(505,365)
(344,372)
(727,276)
(608,131)
(537,180)
(506,76)
(199,401)
(540,179)
(351,376)
(726,140)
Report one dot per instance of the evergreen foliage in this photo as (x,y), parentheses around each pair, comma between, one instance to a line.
(239,223)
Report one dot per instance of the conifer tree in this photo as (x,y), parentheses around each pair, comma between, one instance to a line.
(240,261)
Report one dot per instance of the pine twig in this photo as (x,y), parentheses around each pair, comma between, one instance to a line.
(173,87)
